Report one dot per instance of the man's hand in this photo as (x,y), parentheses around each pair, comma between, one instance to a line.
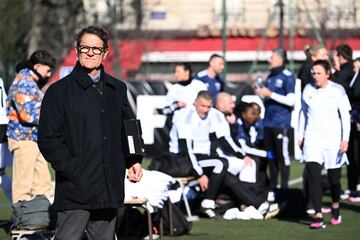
(248,161)
(135,173)
(231,118)
(344,146)
(263,92)
(203,182)
(301,144)
(181,104)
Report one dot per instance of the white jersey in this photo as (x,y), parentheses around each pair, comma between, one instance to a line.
(223,130)
(3,115)
(325,118)
(236,165)
(184,93)
(187,124)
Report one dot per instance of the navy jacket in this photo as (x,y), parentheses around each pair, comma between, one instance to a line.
(277,115)
(214,85)
(81,135)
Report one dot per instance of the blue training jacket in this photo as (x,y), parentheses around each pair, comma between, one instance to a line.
(277,115)
(214,85)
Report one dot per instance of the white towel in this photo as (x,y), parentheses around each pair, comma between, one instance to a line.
(153,186)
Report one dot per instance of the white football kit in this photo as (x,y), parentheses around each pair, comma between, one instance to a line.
(324,123)
(184,93)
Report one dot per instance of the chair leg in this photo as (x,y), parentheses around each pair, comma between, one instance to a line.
(161,228)
(171,223)
(187,206)
(149,224)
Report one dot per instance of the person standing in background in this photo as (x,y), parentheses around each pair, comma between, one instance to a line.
(324,129)
(353,169)
(344,74)
(313,53)
(212,76)
(81,133)
(278,93)
(31,175)
(182,93)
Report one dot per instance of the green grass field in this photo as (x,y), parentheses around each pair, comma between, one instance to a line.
(293,229)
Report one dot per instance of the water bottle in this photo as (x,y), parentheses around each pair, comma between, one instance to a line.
(259,82)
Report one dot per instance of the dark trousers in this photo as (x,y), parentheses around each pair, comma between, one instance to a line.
(261,162)
(306,187)
(3,137)
(215,168)
(244,193)
(315,190)
(262,178)
(98,224)
(277,141)
(353,169)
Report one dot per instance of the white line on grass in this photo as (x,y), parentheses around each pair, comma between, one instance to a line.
(300,179)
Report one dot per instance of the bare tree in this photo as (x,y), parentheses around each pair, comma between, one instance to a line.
(28,25)
(14,25)
(53,25)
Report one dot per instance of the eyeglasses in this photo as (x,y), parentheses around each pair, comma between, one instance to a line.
(95,50)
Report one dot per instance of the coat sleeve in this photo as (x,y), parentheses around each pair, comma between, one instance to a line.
(51,140)
(128,114)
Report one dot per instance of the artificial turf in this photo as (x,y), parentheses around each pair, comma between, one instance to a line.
(279,229)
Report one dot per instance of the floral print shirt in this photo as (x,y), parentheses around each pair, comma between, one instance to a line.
(23,107)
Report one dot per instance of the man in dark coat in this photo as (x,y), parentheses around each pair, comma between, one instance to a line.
(344,75)
(81,135)
(353,169)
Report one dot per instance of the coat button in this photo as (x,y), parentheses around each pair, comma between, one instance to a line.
(105,138)
(102,110)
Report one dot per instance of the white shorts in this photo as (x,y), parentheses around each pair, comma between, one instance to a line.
(331,158)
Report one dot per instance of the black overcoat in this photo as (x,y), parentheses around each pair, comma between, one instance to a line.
(81,135)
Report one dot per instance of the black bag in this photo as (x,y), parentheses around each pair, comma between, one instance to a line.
(181,225)
(32,214)
(178,165)
(291,202)
(131,223)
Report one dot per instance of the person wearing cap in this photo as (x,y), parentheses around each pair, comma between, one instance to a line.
(30,174)
(278,94)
